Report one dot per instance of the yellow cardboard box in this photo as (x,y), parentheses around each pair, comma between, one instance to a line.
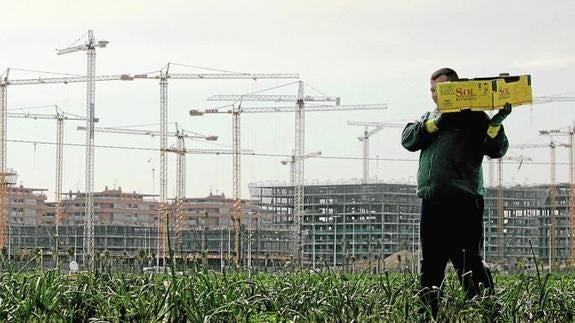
(484,93)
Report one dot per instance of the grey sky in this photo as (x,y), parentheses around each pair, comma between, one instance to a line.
(363,51)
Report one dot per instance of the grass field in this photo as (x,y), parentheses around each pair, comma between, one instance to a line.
(300,296)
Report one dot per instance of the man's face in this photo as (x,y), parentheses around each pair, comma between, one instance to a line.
(441,78)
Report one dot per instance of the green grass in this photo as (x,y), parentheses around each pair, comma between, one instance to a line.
(207,296)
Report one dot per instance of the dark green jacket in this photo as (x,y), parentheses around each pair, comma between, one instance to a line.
(450,159)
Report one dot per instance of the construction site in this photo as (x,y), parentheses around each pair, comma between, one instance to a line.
(343,224)
(279,225)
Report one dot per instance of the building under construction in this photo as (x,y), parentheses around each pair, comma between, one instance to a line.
(127,228)
(350,222)
(342,223)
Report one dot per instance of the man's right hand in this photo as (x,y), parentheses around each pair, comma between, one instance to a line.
(434,124)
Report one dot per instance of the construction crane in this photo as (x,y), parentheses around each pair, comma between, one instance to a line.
(571,133)
(552,190)
(4,83)
(536,100)
(180,150)
(500,206)
(291,163)
(60,116)
(90,78)
(90,48)
(299,109)
(163,76)
(181,184)
(377,126)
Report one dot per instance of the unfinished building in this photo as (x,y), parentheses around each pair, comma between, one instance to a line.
(342,223)
(346,222)
(126,227)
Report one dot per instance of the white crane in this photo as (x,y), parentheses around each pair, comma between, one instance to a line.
(181,135)
(164,75)
(570,132)
(291,162)
(4,82)
(60,116)
(90,47)
(299,110)
(552,189)
(377,126)
(90,78)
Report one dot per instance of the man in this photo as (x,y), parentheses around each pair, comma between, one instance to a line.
(450,184)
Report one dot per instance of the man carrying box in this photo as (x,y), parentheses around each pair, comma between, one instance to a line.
(450,184)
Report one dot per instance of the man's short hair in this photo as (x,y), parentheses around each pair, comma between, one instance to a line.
(450,73)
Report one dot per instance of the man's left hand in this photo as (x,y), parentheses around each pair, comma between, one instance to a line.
(498,118)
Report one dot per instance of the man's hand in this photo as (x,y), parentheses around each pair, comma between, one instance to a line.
(433,124)
(498,118)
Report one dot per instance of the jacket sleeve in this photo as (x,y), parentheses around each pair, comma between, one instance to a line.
(414,136)
(496,147)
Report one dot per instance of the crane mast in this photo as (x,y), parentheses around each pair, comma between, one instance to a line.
(552,193)
(3,183)
(59,169)
(571,199)
(90,48)
(163,216)
(299,169)
(236,189)
(180,186)
(571,208)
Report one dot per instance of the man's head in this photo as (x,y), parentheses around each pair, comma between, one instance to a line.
(441,75)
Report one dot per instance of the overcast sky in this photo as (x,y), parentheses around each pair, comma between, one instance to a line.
(363,51)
